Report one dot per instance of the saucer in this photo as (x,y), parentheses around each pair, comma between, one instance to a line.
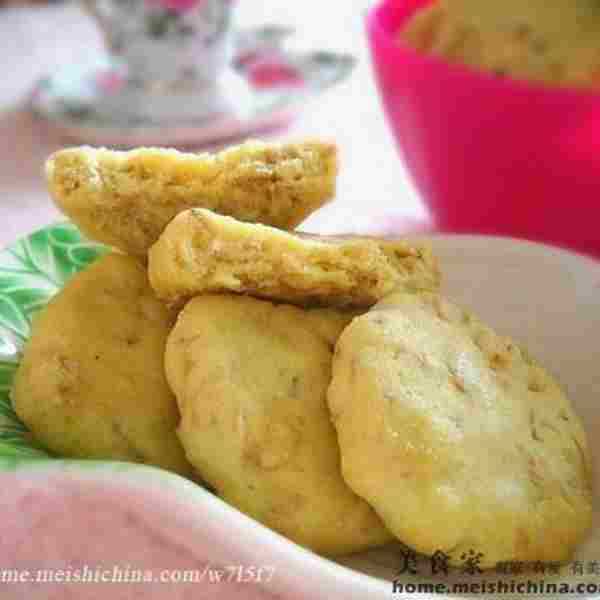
(264,87)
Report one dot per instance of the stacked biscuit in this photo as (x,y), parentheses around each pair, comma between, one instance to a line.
(321,385)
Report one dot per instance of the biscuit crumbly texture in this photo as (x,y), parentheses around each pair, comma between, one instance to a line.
(125,199)
(201,252)
(91,382)
(556,43)
(251,379)
(457,437)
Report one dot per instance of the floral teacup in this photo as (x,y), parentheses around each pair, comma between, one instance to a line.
(171,53)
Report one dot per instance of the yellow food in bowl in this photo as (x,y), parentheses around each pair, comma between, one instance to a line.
(557,43)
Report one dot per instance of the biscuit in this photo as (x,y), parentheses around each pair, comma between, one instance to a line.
(201,252)
(251,379)
(457,438)
(91,382)
(125,199)
(555,43)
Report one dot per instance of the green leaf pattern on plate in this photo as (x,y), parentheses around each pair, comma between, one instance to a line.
(31,272)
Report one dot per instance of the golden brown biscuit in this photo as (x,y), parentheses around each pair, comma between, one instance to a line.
(251,378)
(557,43)
(125,199)
(201,252)
(457,438)
(91,382)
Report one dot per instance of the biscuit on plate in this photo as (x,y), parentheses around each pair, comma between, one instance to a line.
(457,438)
(125,199)
(251,380)
(91,382)
(201,252)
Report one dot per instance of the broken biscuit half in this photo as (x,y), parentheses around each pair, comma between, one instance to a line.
(202,252)
(125,199)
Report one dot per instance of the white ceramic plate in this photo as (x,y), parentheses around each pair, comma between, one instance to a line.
(56,511)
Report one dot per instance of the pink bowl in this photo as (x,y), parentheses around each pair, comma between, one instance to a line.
(490,155)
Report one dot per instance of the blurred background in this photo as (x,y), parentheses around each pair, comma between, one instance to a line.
(39,38)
